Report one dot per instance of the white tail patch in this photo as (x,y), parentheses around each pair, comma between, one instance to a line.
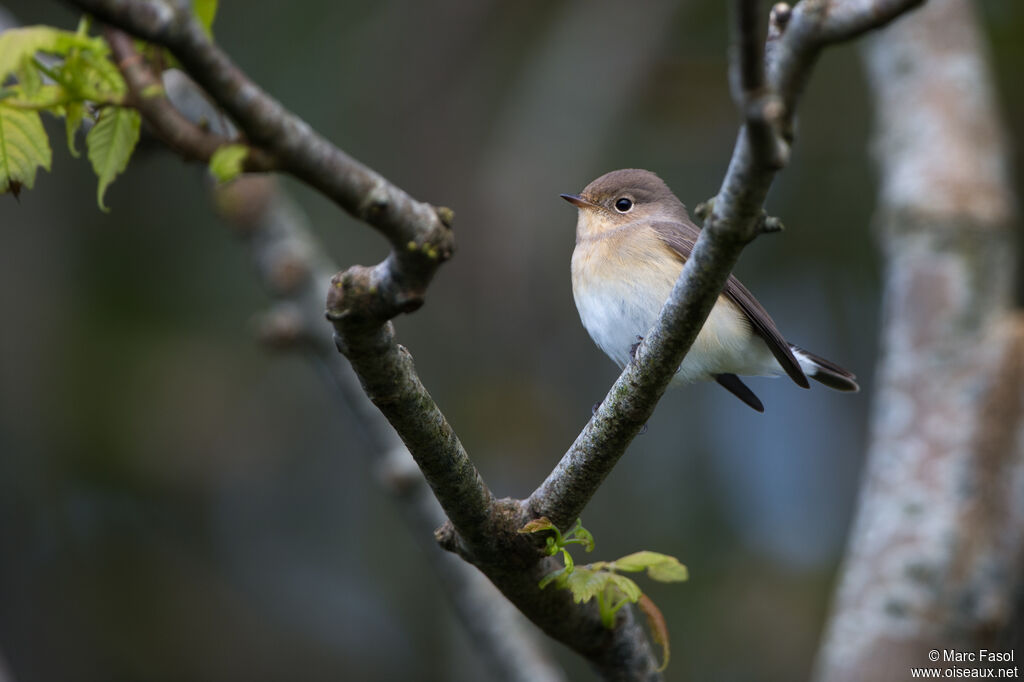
(809,366)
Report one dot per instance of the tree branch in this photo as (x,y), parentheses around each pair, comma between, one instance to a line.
(189,140)
(291,265)
(760,106)
(362,300)
(733,223)
(420,234)
(390,380)
(847,19)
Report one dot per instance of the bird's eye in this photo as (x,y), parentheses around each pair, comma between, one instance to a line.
(622,205)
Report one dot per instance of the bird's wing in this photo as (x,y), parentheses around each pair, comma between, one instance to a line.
(680,237)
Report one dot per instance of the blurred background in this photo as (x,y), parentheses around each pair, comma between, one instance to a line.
(178,503)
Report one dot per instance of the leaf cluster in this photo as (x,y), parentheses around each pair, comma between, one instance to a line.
(604,581)
(70,75)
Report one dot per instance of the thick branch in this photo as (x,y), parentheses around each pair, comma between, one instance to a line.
(482,530)
(734,222)
(390,380)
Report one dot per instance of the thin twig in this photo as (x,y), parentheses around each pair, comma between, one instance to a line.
(189,140)
(847,19)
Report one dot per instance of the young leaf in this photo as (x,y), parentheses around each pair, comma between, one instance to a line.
(24,147)
(28,75)
(226,163)
(537,525)
(205,11)
(660,567)
(84,24)
(559,576)
(629,589)
(585,583)
(656,622)
(582,536)
(18,44)
(110,144)
(74,112)
(92,70)
(42,98)
(570,565)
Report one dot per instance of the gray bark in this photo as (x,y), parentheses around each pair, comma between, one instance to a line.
(935,553)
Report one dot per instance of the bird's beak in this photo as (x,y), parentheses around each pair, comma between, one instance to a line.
(576,201)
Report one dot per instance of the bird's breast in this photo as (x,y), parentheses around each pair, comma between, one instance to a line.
(619,286)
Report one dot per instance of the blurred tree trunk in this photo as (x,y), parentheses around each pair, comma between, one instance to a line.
(935,554)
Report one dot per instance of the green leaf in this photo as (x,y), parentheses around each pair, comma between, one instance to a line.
(585,583)
(559,576)
(660,567)
(567,560)
(28,75)
(92,70)
(625,586)
(24,148)
(74,112)
(205,11)
(18,44)
(659,629)
(43,97)
(84,24)
(584,537)
(226,162)
(110,144)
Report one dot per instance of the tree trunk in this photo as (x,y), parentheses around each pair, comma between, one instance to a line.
(934,557)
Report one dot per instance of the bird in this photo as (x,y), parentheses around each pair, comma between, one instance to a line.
(633,236)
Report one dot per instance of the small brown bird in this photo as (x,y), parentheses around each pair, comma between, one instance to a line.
(632,238)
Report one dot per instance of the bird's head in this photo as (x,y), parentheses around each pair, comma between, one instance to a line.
(622,197)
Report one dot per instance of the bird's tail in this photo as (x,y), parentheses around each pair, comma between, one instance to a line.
(823,371)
